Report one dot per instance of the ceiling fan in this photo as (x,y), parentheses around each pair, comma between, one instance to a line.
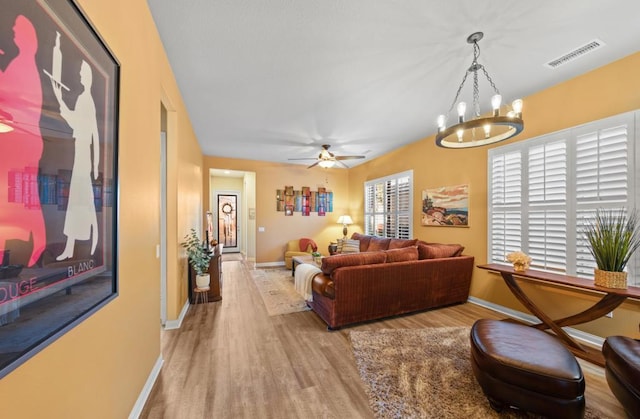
(327,159)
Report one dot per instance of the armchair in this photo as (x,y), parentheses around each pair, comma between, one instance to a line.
(298,247)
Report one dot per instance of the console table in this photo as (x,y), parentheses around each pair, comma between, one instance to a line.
(611,298)
(215,274)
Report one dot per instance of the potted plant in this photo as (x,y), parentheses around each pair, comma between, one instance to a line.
(317,257)
(613,236)
(199,258)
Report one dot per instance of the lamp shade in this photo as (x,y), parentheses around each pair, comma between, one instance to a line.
(345,220)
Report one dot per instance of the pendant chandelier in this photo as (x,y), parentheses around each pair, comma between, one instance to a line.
(478,130)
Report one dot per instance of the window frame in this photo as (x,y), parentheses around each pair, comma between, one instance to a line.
(401,218)
(576,262)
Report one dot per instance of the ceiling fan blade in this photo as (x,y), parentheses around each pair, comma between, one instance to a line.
(305,158)
(342,164)
(314,164)
(349,157)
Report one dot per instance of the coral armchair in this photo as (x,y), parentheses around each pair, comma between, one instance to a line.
(294,248)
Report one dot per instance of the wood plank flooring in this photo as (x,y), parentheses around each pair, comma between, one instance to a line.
(231,360)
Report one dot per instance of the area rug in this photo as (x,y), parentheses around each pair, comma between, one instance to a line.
(278,291)
(424,373)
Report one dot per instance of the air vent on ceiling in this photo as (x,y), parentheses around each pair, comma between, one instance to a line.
(576,53)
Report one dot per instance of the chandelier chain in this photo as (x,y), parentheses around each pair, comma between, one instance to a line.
(476,94)
(455,99)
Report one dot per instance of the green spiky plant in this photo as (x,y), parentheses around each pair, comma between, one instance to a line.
(198,255)
(613,236)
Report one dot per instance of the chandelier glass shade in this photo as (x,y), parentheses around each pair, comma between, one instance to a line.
(479,130)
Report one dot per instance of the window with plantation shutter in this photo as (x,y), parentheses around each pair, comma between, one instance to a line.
(387,206)
(505,195)
(547,209)
(542,190)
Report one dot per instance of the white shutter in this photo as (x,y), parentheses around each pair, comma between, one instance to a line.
(506,206)
(585,263)
(388,209)
(404,208)
(602,166)
(547,198)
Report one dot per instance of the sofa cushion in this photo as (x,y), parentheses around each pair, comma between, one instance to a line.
(399,243)
(330,263)
(437,250)
(378,243)
(363,239)
(402,254)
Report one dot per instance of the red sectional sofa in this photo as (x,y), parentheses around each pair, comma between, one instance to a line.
(389,277)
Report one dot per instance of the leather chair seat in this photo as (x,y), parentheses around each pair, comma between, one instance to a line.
(526,368)
(622,369)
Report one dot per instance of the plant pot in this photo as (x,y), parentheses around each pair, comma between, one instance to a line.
(610,279)
(202,281)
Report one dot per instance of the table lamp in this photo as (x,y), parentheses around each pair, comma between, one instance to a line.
(345,220)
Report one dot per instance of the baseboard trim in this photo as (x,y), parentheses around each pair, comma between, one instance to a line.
(175,324)
(585,337)
(269,264)
(146,390)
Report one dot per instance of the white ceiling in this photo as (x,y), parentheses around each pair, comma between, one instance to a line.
(275,79)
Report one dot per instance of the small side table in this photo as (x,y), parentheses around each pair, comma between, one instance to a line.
(201,294)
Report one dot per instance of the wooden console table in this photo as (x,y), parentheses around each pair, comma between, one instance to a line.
(215,274)
(611,298)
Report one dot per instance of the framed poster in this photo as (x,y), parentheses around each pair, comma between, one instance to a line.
(446,206)
(58,174)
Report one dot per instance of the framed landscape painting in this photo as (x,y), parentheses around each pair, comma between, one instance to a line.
(446,206)
(58,174)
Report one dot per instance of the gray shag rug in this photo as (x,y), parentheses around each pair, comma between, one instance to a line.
(278,291)
(424,373)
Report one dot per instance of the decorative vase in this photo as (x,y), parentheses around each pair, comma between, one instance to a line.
(202,281)
(610,279)
(520,267)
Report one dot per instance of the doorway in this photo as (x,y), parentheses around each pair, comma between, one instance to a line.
(228,210)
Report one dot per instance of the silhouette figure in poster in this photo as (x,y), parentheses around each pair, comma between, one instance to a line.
(21,149)
(81,221)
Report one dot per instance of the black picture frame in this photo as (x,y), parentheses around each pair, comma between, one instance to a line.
(59,93)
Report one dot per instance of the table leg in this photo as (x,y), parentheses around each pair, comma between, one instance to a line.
(530,305)
(606,305)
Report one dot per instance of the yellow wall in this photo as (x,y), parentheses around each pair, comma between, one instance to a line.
(607,91)
(279,229)
(98,369)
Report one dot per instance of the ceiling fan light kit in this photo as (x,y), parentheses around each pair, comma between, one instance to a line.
(327,159)
(479,131)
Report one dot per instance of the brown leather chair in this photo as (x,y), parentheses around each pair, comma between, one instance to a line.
(622,369)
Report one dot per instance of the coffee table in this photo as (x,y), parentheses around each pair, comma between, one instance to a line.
(297,260)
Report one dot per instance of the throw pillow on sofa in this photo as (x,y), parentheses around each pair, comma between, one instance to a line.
(401,255)
(348,246)
(437,250)
(363,239)
(330,263)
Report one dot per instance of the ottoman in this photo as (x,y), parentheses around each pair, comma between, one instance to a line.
(526,368)
(622,369)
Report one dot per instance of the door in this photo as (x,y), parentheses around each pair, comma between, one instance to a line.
(228,223)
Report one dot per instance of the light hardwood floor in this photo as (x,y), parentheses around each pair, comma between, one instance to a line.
(231,360)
